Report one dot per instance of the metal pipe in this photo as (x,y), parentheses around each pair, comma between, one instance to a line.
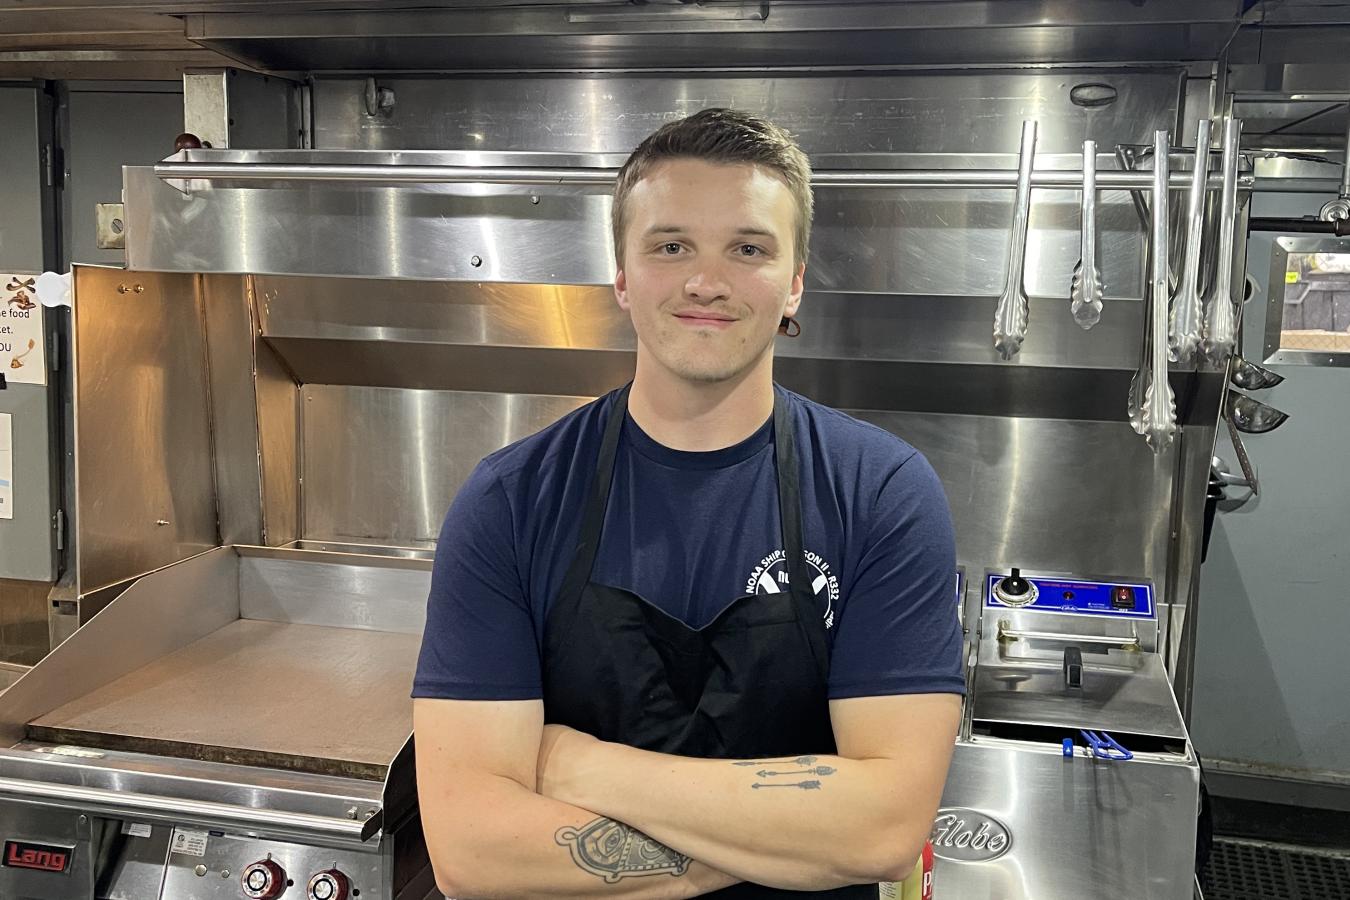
(1287,185)
(1007,633)
(514,175)
(122,803)
(1345,173)
(1337,227)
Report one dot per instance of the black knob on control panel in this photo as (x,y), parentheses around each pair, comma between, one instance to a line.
(1014,590)
(263,880)
(1015,585)
(329,885)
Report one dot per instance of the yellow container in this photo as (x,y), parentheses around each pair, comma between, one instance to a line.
(913,887)
(909,889)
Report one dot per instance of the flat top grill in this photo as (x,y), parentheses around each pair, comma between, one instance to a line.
(310,698)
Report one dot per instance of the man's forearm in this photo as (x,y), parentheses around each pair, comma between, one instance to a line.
(804,823)
(520,844)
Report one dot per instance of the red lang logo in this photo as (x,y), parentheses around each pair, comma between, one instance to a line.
(43,857)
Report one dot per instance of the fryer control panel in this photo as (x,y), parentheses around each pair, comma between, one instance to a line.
(1112,599)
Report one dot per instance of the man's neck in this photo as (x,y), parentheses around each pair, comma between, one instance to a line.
(685,415)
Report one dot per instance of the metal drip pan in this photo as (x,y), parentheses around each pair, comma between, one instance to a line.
(307,698)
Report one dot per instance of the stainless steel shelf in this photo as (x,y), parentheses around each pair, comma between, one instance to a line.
(376,174)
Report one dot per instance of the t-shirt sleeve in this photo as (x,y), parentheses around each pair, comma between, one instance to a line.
(898,629)
(479,642)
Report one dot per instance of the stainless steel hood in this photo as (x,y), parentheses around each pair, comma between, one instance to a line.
(160,38)
(721,34)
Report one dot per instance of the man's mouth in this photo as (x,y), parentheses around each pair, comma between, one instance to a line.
(705,318)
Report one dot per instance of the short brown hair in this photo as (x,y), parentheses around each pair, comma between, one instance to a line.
(720,136)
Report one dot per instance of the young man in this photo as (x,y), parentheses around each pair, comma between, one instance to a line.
(698,636)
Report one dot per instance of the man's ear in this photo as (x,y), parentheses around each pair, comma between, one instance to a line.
(795,292)
(621,289)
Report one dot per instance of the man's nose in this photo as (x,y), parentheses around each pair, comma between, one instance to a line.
(707,285)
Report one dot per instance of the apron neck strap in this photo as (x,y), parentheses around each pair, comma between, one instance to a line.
(790,515)
(597,499)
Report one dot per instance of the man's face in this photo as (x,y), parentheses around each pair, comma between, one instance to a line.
(708,266)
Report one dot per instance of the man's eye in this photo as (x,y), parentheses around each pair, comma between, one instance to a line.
(750,250)
(671,248)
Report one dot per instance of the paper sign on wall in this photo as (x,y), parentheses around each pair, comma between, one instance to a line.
(6,468)
(22,352)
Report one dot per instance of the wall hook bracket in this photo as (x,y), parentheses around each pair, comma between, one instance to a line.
(379,100)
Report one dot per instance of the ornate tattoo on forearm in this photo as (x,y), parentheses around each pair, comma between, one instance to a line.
(777,768)
(614,850)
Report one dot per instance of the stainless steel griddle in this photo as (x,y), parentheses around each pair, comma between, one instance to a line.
(256,693)
(255,720)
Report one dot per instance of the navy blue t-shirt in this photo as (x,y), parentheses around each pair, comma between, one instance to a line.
(690,532)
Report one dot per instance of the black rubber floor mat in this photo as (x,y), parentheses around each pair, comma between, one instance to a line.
(1256,870)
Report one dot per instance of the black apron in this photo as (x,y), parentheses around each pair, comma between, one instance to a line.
(751,684)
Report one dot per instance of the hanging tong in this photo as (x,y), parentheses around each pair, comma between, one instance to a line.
(1085,291)
(1220,324)
(1159,407)
(1135,406)
(1010,317)
(1183,340)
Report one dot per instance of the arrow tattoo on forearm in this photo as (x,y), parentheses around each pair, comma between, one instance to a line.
(804,785)
(799,761)
(818,770)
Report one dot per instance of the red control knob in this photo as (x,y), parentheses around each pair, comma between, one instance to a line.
(329,885)
(263,880)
